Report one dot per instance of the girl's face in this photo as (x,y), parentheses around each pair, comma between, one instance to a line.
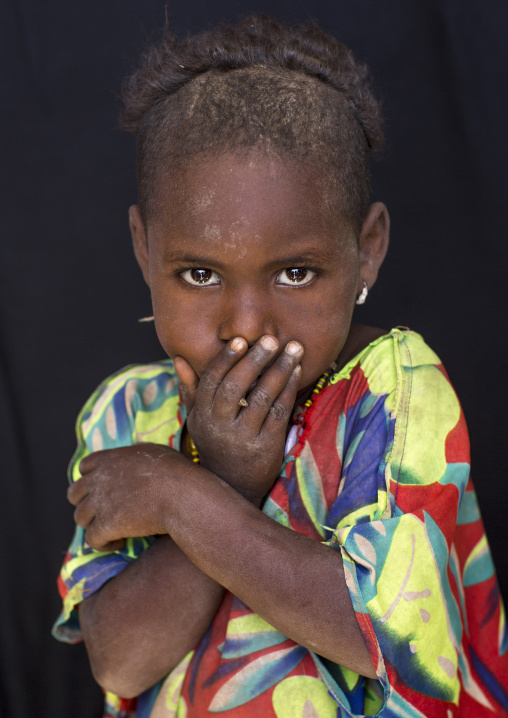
(243,248)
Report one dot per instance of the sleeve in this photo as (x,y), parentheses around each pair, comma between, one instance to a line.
(405,471)
(137,404)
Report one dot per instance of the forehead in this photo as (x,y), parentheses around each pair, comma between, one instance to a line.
(247,197)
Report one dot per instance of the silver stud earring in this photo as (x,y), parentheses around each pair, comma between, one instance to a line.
(363,296)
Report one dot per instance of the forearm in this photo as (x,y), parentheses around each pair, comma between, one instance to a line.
(145,620)
(293,582)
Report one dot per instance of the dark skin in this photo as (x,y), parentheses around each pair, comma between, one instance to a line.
(246,324)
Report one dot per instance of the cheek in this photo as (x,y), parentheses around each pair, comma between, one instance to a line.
(328,326)
(326,336)
(333,308)
(185,331)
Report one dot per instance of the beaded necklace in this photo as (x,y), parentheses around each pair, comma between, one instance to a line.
(192,449)
(321,383)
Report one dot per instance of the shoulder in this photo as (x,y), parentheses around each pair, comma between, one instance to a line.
(429,439)
(133,387)
(401,366)
(386,361)
(138,403)
(399,377)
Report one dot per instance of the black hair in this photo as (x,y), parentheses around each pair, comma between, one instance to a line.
(256,85)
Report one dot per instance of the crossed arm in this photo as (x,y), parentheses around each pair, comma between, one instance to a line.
(213,535)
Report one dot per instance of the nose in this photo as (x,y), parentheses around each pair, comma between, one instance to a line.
(247,313)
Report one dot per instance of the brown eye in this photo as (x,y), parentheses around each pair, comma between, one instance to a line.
(199,276)
(296,276)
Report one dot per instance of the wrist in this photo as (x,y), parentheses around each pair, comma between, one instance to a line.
(231,479)
(173,485)
(252,497)
(199,471)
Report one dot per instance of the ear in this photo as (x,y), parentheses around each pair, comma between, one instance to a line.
(139,240)
(374,240)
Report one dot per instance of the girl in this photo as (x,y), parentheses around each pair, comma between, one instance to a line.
(278,520)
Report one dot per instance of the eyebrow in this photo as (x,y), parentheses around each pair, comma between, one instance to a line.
(308,256)
(185,258)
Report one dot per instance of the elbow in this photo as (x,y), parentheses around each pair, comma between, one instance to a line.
(113,664)
(120,673)
(124,679)
(114,680)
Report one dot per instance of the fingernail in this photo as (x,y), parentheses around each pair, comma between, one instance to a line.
(237,344)
(294,348)
(268,343)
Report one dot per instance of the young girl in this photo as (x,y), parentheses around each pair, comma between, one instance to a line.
(278,520)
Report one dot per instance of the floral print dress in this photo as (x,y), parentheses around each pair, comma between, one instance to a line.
(379,470)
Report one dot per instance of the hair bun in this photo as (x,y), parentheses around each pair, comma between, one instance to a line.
(255,40)
(256,84)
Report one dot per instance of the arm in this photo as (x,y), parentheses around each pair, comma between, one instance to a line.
(293,582)
(280,574)
(302,602)
(126,624)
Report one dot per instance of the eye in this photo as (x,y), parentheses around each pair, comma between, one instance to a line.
(295,275)
(200,277)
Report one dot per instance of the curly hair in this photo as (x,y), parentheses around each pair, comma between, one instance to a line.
(256,85)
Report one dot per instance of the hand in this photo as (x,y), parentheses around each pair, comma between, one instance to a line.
(122,491)
(244,445)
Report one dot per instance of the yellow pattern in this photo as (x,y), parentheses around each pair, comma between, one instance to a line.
(154,426)
(425,461)
(304,493)
(251,623)
(105,394)
(481,547)
(303,697)
(74,596)
(410,602)
(170,703)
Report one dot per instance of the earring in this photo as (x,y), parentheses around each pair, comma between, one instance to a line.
(146,319)
(363,296)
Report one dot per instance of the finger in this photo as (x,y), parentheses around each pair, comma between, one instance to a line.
(238,381)
(95,540)
(77,491)
(96,458)
(117,545)
(88,464)
(266,391)
(84,513)
(218,369)
(188,381)
(282,408)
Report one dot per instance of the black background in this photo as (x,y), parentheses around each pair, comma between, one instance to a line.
(70,292)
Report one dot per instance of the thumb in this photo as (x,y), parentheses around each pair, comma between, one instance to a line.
(188,380)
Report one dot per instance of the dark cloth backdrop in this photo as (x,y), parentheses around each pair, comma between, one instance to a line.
(70,293)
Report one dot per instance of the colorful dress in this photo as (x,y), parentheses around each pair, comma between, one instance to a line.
(379,471)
